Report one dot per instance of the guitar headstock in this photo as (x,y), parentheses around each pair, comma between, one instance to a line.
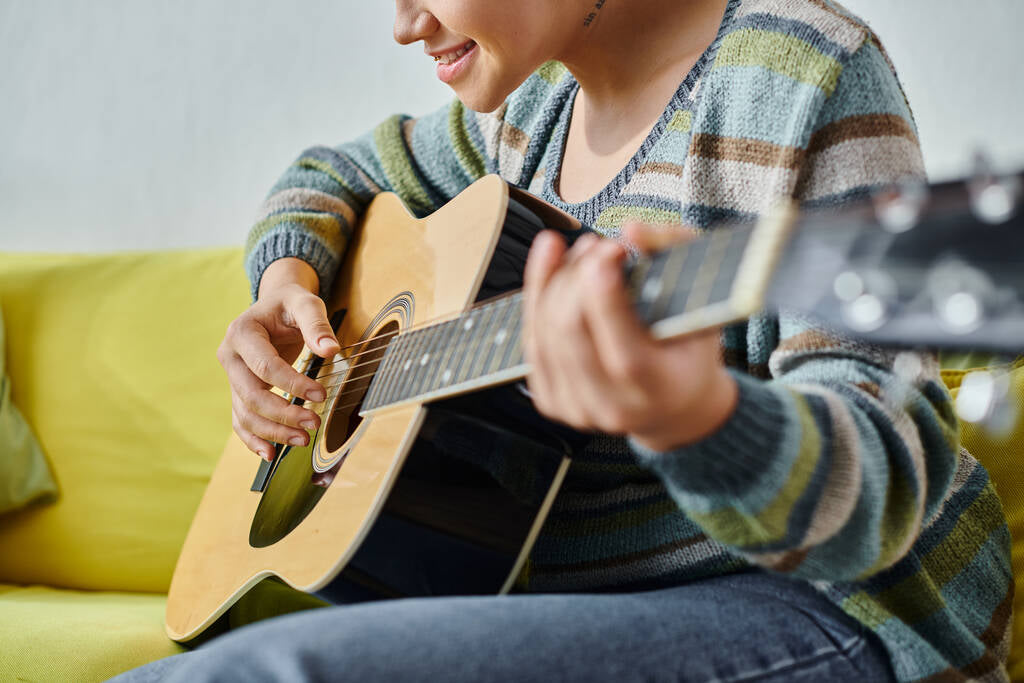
(939,266)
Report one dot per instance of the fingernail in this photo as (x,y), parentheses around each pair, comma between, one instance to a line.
(309,424)
(316,395)
(325,341)
(266,455)
(297,440)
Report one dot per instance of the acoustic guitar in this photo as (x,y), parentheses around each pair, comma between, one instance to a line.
(401,493)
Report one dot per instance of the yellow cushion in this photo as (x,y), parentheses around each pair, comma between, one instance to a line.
(24,475)
(112,359)
(1003,457)
(62,635)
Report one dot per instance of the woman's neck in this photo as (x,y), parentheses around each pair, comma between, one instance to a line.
(626,45)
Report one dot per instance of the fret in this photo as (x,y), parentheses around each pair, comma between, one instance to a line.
(488,325)
(761,255)
(425,362)
(407,370)
(648,285)
(668,279)
(443,358)
(497,342)
(460,337)
(421,363)
(693,254)
(700,292)
(395,357)
(499,337)
(513,356)
(473,343)
(377,381)
(403,369)
(468,329)
(721,287)
(691,266)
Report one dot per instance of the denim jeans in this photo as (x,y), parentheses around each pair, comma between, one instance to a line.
(751,626)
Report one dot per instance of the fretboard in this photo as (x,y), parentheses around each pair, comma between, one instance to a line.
(480,348)
(713,280)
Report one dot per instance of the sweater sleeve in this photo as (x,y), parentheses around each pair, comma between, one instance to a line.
(829,468)
(311,211)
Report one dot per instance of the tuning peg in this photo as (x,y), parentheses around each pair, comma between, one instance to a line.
(984,399)
(898,206)
(959,293)
(867,298)
(993,198)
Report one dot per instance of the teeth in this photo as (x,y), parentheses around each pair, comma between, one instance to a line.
(451,57)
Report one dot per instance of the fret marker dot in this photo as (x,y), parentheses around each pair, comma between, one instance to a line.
(446,376)
(651,290)
(500,336)
(408,364)
(426,357)
(468,325)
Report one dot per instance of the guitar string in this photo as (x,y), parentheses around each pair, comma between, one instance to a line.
(348,382)
(505,295)
(411,395)
(455,347)
(379,348)
(714,247)
(433,322)
(436,322)
(369,376)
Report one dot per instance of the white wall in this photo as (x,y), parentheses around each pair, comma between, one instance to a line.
(143,124)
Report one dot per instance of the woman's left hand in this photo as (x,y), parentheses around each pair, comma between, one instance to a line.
(594,366)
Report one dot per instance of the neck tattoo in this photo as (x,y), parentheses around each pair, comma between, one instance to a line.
(593,13)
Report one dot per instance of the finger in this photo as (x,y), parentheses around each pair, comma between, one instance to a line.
(252,343)
(310,316)
(649,238)
(581,247)
(623,344)
(579,386)
(543,261)
(545,256)
(259,446)
(254,394)
(266,429)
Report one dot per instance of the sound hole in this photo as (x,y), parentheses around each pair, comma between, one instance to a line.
(344,418)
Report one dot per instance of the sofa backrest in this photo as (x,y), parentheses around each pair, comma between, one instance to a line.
(112,361)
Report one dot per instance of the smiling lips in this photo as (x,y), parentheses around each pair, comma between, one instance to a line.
(452,57)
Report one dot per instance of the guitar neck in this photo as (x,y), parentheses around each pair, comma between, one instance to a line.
(709,281)
(476,350)
(934,266)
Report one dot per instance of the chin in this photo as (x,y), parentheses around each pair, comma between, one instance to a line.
(485,97)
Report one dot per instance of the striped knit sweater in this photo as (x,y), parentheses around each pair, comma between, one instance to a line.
(833,468)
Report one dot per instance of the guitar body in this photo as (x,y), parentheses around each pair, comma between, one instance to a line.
(322,501)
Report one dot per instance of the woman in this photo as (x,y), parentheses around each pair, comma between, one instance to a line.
(771,503)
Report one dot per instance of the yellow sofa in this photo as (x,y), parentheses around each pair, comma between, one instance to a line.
(111,359)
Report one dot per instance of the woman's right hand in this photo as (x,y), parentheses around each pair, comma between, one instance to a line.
(258,350)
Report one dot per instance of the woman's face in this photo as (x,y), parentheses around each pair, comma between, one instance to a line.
(487,48)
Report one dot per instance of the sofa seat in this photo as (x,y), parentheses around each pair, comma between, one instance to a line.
(92,635)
